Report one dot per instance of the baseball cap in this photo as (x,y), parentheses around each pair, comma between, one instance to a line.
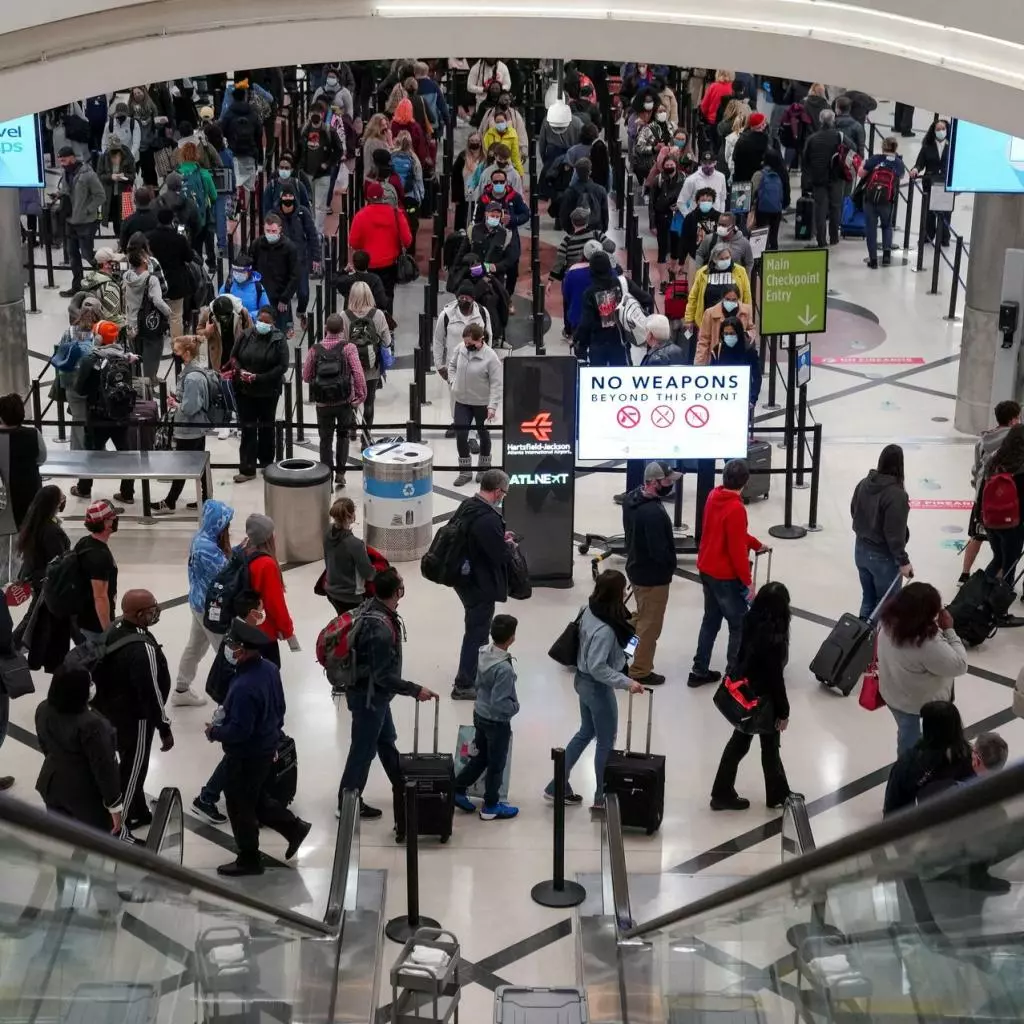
(206,113)
(707,157)
(107,331)
(107,255)
(656,471)
(374,190)
(756,120)
(100,511)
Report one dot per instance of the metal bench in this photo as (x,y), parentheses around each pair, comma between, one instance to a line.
(142,466)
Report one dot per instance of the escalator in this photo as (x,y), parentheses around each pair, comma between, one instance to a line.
(94,930)
(910,919)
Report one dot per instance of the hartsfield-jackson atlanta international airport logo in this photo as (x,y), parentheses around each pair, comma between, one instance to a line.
(538,427)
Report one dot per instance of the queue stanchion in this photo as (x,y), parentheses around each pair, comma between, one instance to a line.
(556,891)
(343,256)
(30,266)
(788,530)
(62,431)
(773,370)
(801,437)
(954,291)
(415,417)
(48,247)
(300,426)
(37,406)
(812,509)
(433,281)
(424,346)
(318,310)
(289,412)
(161,396)
(357,182)
(402,928)
(936,257)
(279,440)
(922,228)
(908,224)
(537,309)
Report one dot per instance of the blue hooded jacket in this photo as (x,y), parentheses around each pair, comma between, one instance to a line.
(250,294)
(205,558)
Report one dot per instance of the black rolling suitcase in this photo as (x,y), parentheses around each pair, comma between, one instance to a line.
(804,219)
(284,776)
(434,775)
(638,779)
(759,459)
(847,651)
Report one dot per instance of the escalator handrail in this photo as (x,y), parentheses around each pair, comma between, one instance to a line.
(72,833)
(165,805)
(959,802)
(617,863)
(347,845)
(796,807)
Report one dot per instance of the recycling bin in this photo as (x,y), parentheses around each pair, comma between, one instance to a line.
(398,492)
(297,496)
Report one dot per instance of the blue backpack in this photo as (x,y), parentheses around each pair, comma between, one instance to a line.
(769,192)
(405,167)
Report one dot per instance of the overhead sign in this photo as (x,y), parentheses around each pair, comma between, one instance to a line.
(670,412)
(21,153)
(793,291)
(983,160)
(539,457)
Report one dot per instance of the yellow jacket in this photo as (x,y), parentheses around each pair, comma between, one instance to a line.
(695,303)
(511,139)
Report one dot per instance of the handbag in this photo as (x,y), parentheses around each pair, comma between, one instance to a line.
(566,648)
(15,676)
(870,698)
(406,270)
(127,204)
(387,357)
(519,586)
(676,227)
(742,708)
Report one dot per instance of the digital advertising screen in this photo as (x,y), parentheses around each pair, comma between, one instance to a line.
(670,412)
(984,160)
(21,153)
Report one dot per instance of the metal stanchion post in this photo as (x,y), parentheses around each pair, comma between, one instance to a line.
(404,927)
(801,437)
(299,417)
(31,267)
(954,291)
(62,434)
(788,530)
(289,412)
(161,396)
(936,257)
(907,227)
(37,406)
(48,247)
(278,441)
(773,369)
(812,511)
(556,891)
(424,344)
(922,229)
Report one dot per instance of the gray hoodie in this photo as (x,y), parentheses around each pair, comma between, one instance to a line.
(601,657)
(910,676)
(880,508)
(496,699)
(135,283)
(475,377)
(348,564)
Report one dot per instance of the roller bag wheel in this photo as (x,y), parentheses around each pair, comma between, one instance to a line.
(804,227)
(284,776)
(759,459)
(103,1002)
(853,223)
(638,780)
(434,775)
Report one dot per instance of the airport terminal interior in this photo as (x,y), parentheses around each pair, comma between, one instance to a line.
(879,928)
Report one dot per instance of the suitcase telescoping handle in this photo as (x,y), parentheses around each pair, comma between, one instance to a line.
(629,721)
(416,724)
(873,617)
(757,562)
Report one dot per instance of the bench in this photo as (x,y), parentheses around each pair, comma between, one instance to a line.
(142,466)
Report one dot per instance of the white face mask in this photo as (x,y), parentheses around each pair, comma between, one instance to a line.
(259,617)
(230,655)
(722,231)
(240,276)
(661,116)
(723,264)
(648,106)
(940,135)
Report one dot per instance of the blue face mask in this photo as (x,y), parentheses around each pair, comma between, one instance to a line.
(729,305)
(241,276)
(498,188)
(730,339)
(284,173)
(706,207)
(262,327)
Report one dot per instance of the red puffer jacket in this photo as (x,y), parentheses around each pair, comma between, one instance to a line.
(382,231)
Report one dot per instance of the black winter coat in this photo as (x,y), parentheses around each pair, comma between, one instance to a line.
(762,661)
(278,265)
(748,154)
(818,168)
(489,555)
(650,545)
(265,355)
(171,248)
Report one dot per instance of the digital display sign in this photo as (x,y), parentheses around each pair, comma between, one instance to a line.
(21,153)
(984,160)
(539,455)
(667,412)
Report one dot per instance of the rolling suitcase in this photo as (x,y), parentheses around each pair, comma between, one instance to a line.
(284,776)
(434,775)
(759,459)
(853,223)
(847,651)
(638,779)
(979,605)
(804,219)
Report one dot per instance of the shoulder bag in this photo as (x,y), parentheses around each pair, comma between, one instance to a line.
(406,269)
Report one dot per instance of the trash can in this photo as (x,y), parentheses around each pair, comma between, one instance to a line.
(297,496)
(398,492)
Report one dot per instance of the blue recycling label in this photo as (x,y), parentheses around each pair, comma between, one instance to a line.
(397,488)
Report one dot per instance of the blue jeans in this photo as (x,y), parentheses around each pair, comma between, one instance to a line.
(873,215)
(373,734)
(221,210)
(908,730)
(723,599)
(599,720)
(479,613)
(492,740)
(601,353)
(211,792)
(877,570)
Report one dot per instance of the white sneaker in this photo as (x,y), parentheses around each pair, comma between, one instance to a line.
(187,699)
(223,434)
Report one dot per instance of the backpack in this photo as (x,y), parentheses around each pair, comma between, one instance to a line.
(91,652)
(631,316)
(200,284)
(334,649)
(769,192)
(231,581)
(261,106)
(218,405)
(1000,505)
(405,168)
(589,201)
(114,394)
(65,588)
(332,376)
(243,137)
(76,129)
(131,126)
(151,321)
(229,289)
(881,185)
(193,187)
(447,555)
(363,333)
(846,160)
(676,296)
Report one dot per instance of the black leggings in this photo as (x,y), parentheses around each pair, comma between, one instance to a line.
(465,415)
(370,401)
(186,444)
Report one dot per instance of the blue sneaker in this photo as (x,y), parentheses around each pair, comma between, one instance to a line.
(464,803)
(499,810)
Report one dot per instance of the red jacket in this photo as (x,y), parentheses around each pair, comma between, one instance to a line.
(382,231)
(713,100)
(724,541)
(265,576)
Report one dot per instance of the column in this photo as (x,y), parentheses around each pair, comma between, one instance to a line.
(997,225)
(14,375)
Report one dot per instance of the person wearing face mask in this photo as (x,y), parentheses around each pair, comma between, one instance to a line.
(125,129)
(502,129)
(333,91)
(286,177)
(502,205)
(298,227)
(487,72)
(383,231)
(474,376)
(598,338)
(664,199)
(709,340)
(698,224)
(246,285)
(132,685)
(83,203)
(930,166)
(737,347)
(320,151)
(727,232)
(706,176)
(584,106)
(450,328)
(276,260)
(678,150)
(558,134)
(464,177)
(641,113)
(243,133)
(650,564)
(635,79)
(880,180)
(259,363)
(710,283)
(499,158)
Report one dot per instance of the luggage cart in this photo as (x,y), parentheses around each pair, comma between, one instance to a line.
(226,971)
(420,986)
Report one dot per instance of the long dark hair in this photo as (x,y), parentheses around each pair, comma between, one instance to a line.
(910,616)
(44,507)
(890,462)
(1009,456)
(608,603)
(737,326)
(766,629)
(942,732)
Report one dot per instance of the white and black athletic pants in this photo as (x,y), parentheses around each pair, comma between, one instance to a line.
(134,743)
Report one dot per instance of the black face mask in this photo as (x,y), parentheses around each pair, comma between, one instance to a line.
(288,208)
(113,526)
(466,307)
(665,490)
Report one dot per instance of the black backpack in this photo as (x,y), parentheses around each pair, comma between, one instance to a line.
(231,581)
(243,137)
(332,376)
(151,322)
(446,557)
(65,588)
(363,333)
(114,395)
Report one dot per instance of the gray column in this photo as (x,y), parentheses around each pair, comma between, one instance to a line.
(14,375)
(998,225)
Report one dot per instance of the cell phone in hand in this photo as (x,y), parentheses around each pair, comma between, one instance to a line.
(630,648)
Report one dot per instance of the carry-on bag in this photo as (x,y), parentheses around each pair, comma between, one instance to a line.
(804,228)
(284,775)
(847,651)
(759,459)
(434,775)
(853,223)
(465,748)
(979,605)
(638,779)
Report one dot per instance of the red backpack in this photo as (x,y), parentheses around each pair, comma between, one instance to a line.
(676,296)
(1000,504)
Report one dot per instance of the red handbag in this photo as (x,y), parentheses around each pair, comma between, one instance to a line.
(127,204)
(870,695)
